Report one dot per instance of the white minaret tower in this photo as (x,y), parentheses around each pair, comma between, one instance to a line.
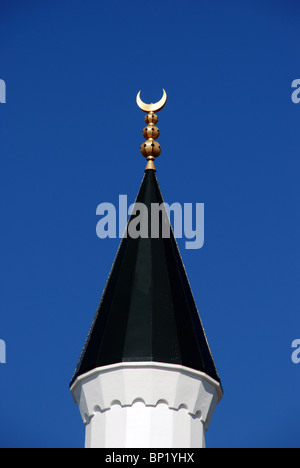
(146,377)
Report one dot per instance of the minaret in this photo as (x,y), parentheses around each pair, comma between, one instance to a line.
(146,377)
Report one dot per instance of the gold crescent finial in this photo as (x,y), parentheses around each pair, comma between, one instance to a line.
(150,149)
(151,107)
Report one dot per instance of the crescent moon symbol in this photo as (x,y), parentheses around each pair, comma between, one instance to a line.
(151,107)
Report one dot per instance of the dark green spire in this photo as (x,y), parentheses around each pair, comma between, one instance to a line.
(147,311)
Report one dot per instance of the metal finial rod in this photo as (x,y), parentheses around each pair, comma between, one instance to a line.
(151,149)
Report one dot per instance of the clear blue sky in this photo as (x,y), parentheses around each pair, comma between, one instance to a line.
(70,135)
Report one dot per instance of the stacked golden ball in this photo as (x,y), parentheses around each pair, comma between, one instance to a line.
(151,148)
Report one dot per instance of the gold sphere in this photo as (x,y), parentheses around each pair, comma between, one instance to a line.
(151,132)
(150,148)
(151,118)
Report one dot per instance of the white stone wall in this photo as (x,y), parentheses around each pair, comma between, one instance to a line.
(146,405)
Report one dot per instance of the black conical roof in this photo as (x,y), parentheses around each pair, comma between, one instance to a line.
(147,311)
